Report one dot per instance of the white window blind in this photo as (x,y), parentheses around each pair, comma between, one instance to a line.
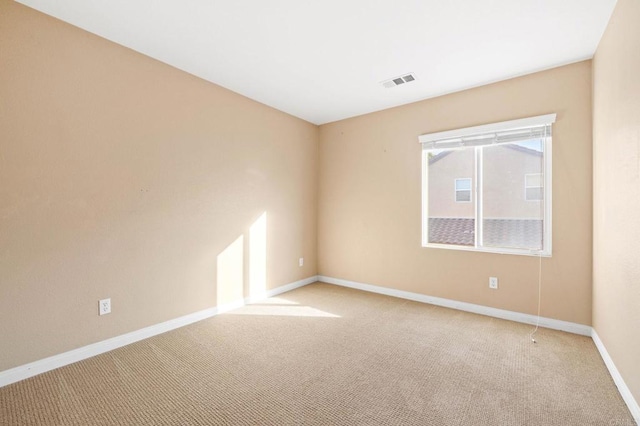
(490,134)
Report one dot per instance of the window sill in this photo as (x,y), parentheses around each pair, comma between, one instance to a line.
(496,250)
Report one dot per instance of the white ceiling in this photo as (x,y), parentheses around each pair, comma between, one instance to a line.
(324,60)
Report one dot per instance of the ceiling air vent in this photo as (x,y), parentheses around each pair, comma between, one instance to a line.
(397,81)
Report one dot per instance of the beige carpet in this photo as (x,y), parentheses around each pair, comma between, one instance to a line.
(325,355)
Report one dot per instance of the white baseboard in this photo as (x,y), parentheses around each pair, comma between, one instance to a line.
(555,324)
(625,392)
(292,286)
(25,371)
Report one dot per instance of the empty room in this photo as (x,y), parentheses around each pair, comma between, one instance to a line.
(320,213)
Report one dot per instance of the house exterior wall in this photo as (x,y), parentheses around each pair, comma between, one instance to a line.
(503,184)
(456,164)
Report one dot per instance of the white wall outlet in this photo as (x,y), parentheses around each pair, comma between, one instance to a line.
(104,306)
(493,283)
(301,261)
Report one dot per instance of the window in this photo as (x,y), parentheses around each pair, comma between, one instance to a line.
(463,190)
(533,187)
(501,159)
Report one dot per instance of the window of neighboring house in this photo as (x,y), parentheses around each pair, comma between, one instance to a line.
(533,187)
(499,218)
(463,190)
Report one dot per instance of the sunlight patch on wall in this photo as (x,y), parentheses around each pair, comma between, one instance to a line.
(258,258)
(230,277)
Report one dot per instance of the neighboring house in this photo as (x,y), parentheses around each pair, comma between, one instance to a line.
(512,190)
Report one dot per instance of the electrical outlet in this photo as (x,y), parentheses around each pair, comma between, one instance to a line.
(104,306)
(493,283)
(301,261)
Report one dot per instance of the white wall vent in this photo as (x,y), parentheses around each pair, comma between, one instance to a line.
(397,81)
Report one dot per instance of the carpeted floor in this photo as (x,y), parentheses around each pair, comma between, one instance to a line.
(326,355)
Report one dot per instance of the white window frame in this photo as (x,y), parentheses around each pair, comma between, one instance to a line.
(452,135)
(456,190)
(530,186)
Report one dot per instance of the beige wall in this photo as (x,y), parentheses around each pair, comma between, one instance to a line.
(616,254)
(370,204)
(123,177)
